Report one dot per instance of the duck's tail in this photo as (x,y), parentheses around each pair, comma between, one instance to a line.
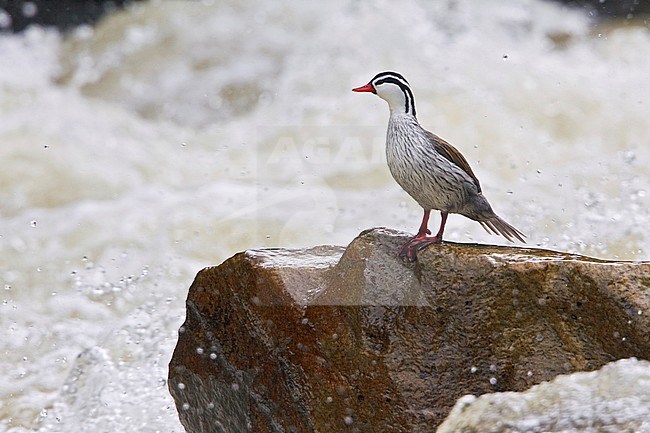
(498,226)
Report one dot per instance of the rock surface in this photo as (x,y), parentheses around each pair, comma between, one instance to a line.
(327,340)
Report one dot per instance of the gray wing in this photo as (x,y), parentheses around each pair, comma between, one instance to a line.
(453,155)
(490,221)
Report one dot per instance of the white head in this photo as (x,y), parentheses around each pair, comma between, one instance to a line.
(392,88)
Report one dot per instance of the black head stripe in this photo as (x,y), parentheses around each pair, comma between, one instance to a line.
(398,80)
(390,74)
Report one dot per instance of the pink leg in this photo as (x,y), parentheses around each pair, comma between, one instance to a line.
(443,221)
(421,240)
(425,222)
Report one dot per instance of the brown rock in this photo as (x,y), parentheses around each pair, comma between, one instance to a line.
(300,341)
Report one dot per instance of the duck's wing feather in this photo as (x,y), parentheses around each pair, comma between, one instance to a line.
(453,155)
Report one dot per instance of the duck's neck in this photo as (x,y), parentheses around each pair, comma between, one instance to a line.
(402,117)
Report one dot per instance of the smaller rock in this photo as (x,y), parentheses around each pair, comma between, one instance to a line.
(613,399)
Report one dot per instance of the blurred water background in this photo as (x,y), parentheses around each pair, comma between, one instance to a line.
(172,135)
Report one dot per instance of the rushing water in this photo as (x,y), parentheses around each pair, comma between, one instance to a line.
(174,134)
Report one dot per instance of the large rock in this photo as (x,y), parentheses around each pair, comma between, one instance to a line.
(300,341)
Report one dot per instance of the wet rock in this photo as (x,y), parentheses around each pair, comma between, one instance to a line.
(62,14)
(613,399)
(327,340)
(626,9)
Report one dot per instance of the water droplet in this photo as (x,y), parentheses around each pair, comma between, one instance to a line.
(186,406)
(199,350)
(5,19)
(234,387)
(473,369)
(493,381)
(348,420)
(301,347)
(181,385)
(213,356)
(329,400)
(529,374)
(29,9)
